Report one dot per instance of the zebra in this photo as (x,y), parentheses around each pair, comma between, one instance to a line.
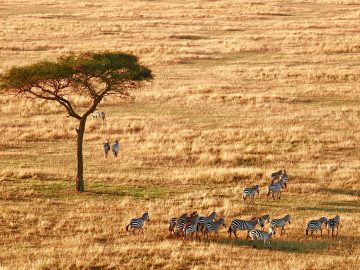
(276,175)
(332,224)
(138,223)
(100,115)
(182,221)
(213,227)
(173,221)
(315,225)
(115,148)
(191,227)
(243,225)
(281,222)
(262,220)
(284,178)
(204,220)
(261,235)
(106,147)
(275,189)
(250,192)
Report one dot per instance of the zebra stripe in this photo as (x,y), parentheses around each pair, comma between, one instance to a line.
(182,221)
(115,148)
(138,223)
(213,227)
(315,225)
(261,235)
(250,192)
(279,223)
(332,224)
(242,225)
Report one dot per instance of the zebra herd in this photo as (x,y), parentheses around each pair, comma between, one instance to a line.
(186,226)
(279,181)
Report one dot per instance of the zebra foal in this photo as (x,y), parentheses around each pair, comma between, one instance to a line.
(261,235)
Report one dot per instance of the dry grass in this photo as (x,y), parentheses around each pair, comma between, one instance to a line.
(242,88)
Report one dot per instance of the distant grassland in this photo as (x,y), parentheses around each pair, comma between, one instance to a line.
(241,89)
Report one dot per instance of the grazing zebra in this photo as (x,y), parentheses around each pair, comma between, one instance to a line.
(191,227)
(275,189)
(261,235)
(332,224)
(213,227)
(315,225)
(138,223)
(250,192)
(276,175)
(243,225)
(262,220)
(204,220)
(284,178)
(106,147)
(115,148)
(99,115)
(280,223)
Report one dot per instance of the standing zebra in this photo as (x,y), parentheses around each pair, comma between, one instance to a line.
(138,223)
(106,147)
(275,189)
(261,235)
(284,178)
(115,148)
(203,220)
(332,224)
(315,225)
(250,192)
(276,175)
(213,227)
(279,223)
(243,225)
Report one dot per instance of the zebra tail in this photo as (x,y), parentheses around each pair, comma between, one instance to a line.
(127,227)
(307,231)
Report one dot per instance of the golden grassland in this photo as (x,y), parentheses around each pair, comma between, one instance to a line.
(242,88)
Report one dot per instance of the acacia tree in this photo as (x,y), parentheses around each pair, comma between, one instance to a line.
(91,75)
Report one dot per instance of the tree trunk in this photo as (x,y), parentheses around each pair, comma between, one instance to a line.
(80,162)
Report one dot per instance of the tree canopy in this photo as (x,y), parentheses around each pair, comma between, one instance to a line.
(92,75)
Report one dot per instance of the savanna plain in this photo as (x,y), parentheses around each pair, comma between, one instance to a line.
(241,89)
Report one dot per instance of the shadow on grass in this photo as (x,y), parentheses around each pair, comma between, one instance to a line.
(343,203)
(352,192)
(278,245)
